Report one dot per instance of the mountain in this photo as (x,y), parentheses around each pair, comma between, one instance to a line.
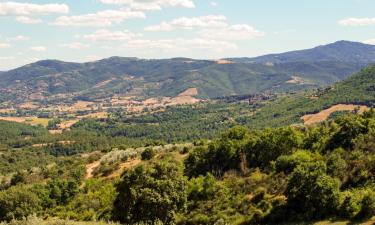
(358,89)
(52,79)
(341,51)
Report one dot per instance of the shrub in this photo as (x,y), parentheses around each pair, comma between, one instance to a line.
(148,154)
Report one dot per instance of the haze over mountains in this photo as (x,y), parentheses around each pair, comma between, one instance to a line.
(289,71)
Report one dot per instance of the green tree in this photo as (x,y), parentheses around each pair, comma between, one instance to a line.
(272,143)
(18,202)
(311,192)
(151,193)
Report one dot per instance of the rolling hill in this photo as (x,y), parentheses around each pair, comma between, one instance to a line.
(52,79)
(358,89)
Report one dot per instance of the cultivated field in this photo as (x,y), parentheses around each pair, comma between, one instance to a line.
(324,115)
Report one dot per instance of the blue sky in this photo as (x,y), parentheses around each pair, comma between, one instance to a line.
(85,30)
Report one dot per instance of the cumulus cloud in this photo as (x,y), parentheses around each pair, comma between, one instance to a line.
(151,4)
(211,21)
(75,46)
(27,9)
(38,48)
(27,20)
(233,32)
(357,22)
(107,35)
(99,19)
(211,27)
(4,45)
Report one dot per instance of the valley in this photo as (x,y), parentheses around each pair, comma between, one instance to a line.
(244,141)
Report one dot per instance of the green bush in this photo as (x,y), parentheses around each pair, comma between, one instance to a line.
(148,154)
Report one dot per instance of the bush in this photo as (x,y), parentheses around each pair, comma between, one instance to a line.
(18,202)
(148,154)
(368,205)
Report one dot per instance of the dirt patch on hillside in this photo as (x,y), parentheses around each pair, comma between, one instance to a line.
(90,169)
(104,83)
(323,115)
(189,92)
(183,100)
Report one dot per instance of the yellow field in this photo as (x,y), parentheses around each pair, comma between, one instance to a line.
(324,115)
(28,120)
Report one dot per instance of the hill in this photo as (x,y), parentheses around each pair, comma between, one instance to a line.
(51,79)
(341,51)
(358,89)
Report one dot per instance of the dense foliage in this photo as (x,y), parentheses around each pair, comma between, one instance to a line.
(285,174)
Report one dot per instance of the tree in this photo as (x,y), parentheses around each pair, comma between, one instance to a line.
(18,202)
(151,193)
(311,192)
(271,144)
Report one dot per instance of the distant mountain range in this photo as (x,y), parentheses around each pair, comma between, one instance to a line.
(52,79)
(341,51)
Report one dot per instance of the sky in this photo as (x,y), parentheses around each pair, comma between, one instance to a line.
(87,30)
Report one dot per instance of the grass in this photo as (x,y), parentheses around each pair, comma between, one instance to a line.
(37,121)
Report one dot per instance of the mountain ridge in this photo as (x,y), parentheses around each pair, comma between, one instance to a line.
(169,77)
(337,51)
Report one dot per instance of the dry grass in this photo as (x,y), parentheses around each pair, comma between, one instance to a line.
(323,115)
(189,92)
(29,120)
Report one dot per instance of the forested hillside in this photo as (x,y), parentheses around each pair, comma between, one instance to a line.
(287,174)
(43,80)
(357,89)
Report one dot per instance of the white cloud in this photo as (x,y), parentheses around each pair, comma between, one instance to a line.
(75,46)
(4,45)
(38,48)
(27,20)
(212,27)
(99,19)
(19,38)
(233,32)
(151,4)
(211,21)
(370,41)
(214,4)
(107,35)
(27,9)
(181,44)
(357,22)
